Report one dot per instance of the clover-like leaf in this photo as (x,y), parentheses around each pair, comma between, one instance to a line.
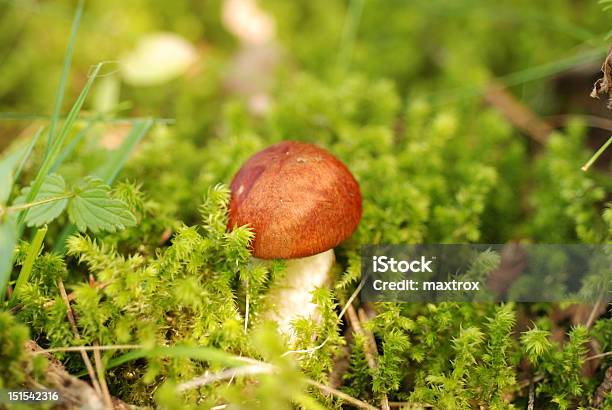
(53,186)
(92,207)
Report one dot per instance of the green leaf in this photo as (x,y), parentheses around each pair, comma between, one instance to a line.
(26,269)
(11,166)
(93,208)
(115,162)
(57,144)
(27,151)
(8,239)
(6,182)
(53,186)
(7,173)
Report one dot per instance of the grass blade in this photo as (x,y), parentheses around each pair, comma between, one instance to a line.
(70,147)
(8,240)
(349,33)
(11,166)
(600,151)
(61,89)
(27,153)
(57,144)
(26,269)
(117,161)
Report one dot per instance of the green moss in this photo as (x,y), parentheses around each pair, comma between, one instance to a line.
(401,106)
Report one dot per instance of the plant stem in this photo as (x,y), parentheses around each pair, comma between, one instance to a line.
(349,33)
(600,151)
(37,203)
(61,89)
(26,269)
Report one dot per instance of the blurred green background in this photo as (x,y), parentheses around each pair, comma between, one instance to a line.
(399,90)
(436,50)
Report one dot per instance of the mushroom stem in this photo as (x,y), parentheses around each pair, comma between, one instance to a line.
(292,298)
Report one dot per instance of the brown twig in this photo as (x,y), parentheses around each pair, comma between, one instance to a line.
(74,392)
(409,405)
(71,296)
(369,347)
(351,314)
(534,379)
(598,356)
(108,401)
(341,395)
(531,403)
(595,312)
(75,332)
(521,116)
(603,390)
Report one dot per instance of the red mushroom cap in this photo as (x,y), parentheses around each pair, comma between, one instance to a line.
(298,198)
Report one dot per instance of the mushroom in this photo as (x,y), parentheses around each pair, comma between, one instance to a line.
(301,202)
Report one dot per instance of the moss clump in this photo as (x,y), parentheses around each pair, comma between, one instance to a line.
(400,103)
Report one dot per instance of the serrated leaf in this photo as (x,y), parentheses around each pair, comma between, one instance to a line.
(93,208)
(53,186)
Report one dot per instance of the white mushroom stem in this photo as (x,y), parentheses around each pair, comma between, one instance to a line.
(291,298)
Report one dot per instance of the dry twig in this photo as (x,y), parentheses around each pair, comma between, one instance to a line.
(521,116)
(341,395)
(595,312)
(108,401)
(74,393)
(71,296)
(604,84)
(75,332)
(604,389)
(598,356)
(370,351)
(531,402)
(409,405)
